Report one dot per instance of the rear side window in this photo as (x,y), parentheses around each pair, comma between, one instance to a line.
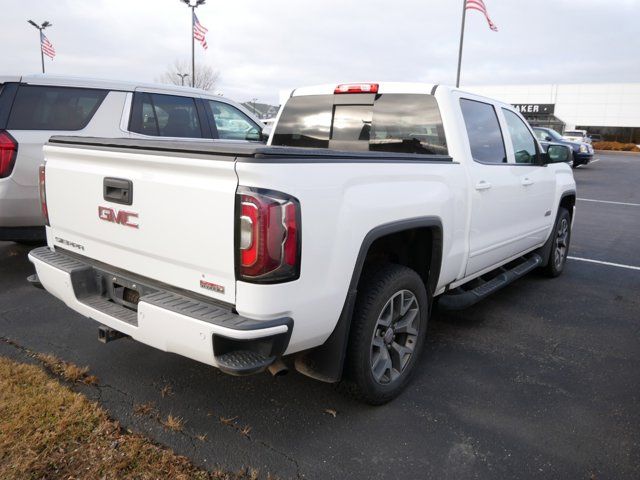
(164,116)
(483,130)
(54,108)
(397,123)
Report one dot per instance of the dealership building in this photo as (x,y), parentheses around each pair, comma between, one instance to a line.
(609,109)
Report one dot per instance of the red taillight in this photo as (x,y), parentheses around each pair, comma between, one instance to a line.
(43,193)
(268,236)
(356,88)
(8,152)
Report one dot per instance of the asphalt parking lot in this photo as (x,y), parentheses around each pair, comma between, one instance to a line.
(542,380)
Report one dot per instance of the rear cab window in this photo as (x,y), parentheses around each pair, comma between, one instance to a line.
(43,107)
(391,122)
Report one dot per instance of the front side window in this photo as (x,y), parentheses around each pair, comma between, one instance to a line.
(54,108)
(231,123)
(164,116)
(483,130)
(524,145)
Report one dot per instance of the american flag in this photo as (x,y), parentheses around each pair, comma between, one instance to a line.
(481,7)
(199,32)
(47,46)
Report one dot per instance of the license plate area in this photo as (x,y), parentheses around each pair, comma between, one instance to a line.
(123,291)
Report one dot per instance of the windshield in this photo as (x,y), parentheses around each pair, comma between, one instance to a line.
(572,134)
(543,133)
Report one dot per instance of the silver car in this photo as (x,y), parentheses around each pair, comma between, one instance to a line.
(35,107)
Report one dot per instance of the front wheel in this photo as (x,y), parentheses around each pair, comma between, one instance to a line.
(387,334)
(560,246)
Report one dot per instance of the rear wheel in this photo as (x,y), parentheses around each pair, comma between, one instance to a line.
(560,243)
(387,335)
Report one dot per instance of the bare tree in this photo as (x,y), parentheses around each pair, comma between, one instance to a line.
(206,76)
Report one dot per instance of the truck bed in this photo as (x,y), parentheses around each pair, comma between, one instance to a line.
(243,152)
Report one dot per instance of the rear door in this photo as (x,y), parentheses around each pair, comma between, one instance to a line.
(175,227)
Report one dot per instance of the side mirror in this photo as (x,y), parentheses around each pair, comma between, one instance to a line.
(548,138)
(558,153)
(254,135)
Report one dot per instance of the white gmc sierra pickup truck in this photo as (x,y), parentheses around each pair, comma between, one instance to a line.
(327,247)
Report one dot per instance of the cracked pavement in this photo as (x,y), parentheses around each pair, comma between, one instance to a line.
(542,380)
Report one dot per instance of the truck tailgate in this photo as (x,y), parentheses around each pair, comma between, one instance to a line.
(178,228)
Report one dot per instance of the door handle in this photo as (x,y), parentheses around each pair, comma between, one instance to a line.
(527,181)
(483,185)
(118,190)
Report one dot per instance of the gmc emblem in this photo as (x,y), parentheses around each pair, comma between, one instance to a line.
(120,217)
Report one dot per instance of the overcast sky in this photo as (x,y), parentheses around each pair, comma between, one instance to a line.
(261,47)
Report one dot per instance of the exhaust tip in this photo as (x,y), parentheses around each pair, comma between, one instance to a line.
(278,368)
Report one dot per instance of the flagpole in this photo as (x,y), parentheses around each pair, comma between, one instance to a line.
(41,52)
(464,15)
(193,48)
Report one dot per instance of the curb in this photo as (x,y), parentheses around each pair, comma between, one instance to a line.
(616,152)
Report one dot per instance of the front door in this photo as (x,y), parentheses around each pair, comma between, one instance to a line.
(536,184)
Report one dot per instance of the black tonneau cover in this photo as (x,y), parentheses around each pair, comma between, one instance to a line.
(243,152)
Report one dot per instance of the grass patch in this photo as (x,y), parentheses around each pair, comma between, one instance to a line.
(69,371)
(49,431)
(173,423)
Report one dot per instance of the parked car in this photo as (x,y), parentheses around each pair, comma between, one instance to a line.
(577,136)
(35,107)
(239,255)
(582,152)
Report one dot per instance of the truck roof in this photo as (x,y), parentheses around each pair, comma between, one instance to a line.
(89,82)
(388,87)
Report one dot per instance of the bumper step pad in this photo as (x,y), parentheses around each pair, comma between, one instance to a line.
(243,362)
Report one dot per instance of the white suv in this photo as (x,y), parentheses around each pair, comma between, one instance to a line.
(35,107)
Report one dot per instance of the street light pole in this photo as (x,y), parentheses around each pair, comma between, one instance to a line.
(193,40)
(254,100)
(40,28)
(182,76)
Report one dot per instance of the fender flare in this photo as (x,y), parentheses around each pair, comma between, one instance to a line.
(326,362)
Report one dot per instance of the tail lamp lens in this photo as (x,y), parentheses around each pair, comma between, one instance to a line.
(8,152)
(268,236)
(43,193)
